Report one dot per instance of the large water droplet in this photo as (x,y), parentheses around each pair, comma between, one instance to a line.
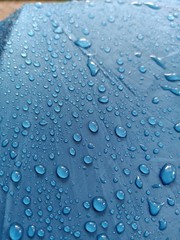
(77,137)
(158,61)
(93,126)
(120,132)
(154,207)
(40,169)
(62,172)
(31,231)
(120,227)
(138,182)
(26,124)
(168,174)
(90,227)
(103,99)
(92,67)
(177,127)
(144,169)
(99,204)
(172,77)
(152,5)
(15,176)
(15,231)
(175,91)
(162,224)
(83,43)
(88,159)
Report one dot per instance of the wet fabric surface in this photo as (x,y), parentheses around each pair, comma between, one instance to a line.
(90,121)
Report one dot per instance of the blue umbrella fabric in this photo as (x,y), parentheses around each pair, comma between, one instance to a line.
(90,121)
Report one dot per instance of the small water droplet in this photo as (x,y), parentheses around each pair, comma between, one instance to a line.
(93,126)
(168,174)
(142,69)
(99,204)
(62,172)
(144,169)
(120,195)
(77,137)
(120,132)
(40,169)
(83,43)
(155,100)
(102,236)
(152,121)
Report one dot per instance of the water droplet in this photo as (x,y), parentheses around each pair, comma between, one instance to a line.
(120,132)
(72,151)
(120,227)
(26,124)
(162,224)
(170,201)
(15,231)
(154,207)
(144,169)
(120,195)
(77,137)
(83,43)
(88,159)
(175,91)
(177,127)
(103,99)
(92,67)
(155,100)
(62,172)
(142,69)
(158,61)
(168,174)
(102,236)
(138,182)
(99,204)
(93,126)
(66,210)
(41,233)
(58,30)
(31,231)
(15,176)
(152,121)
(90,227)
(26,200)
(172,77)
(40,169)
(152,5)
